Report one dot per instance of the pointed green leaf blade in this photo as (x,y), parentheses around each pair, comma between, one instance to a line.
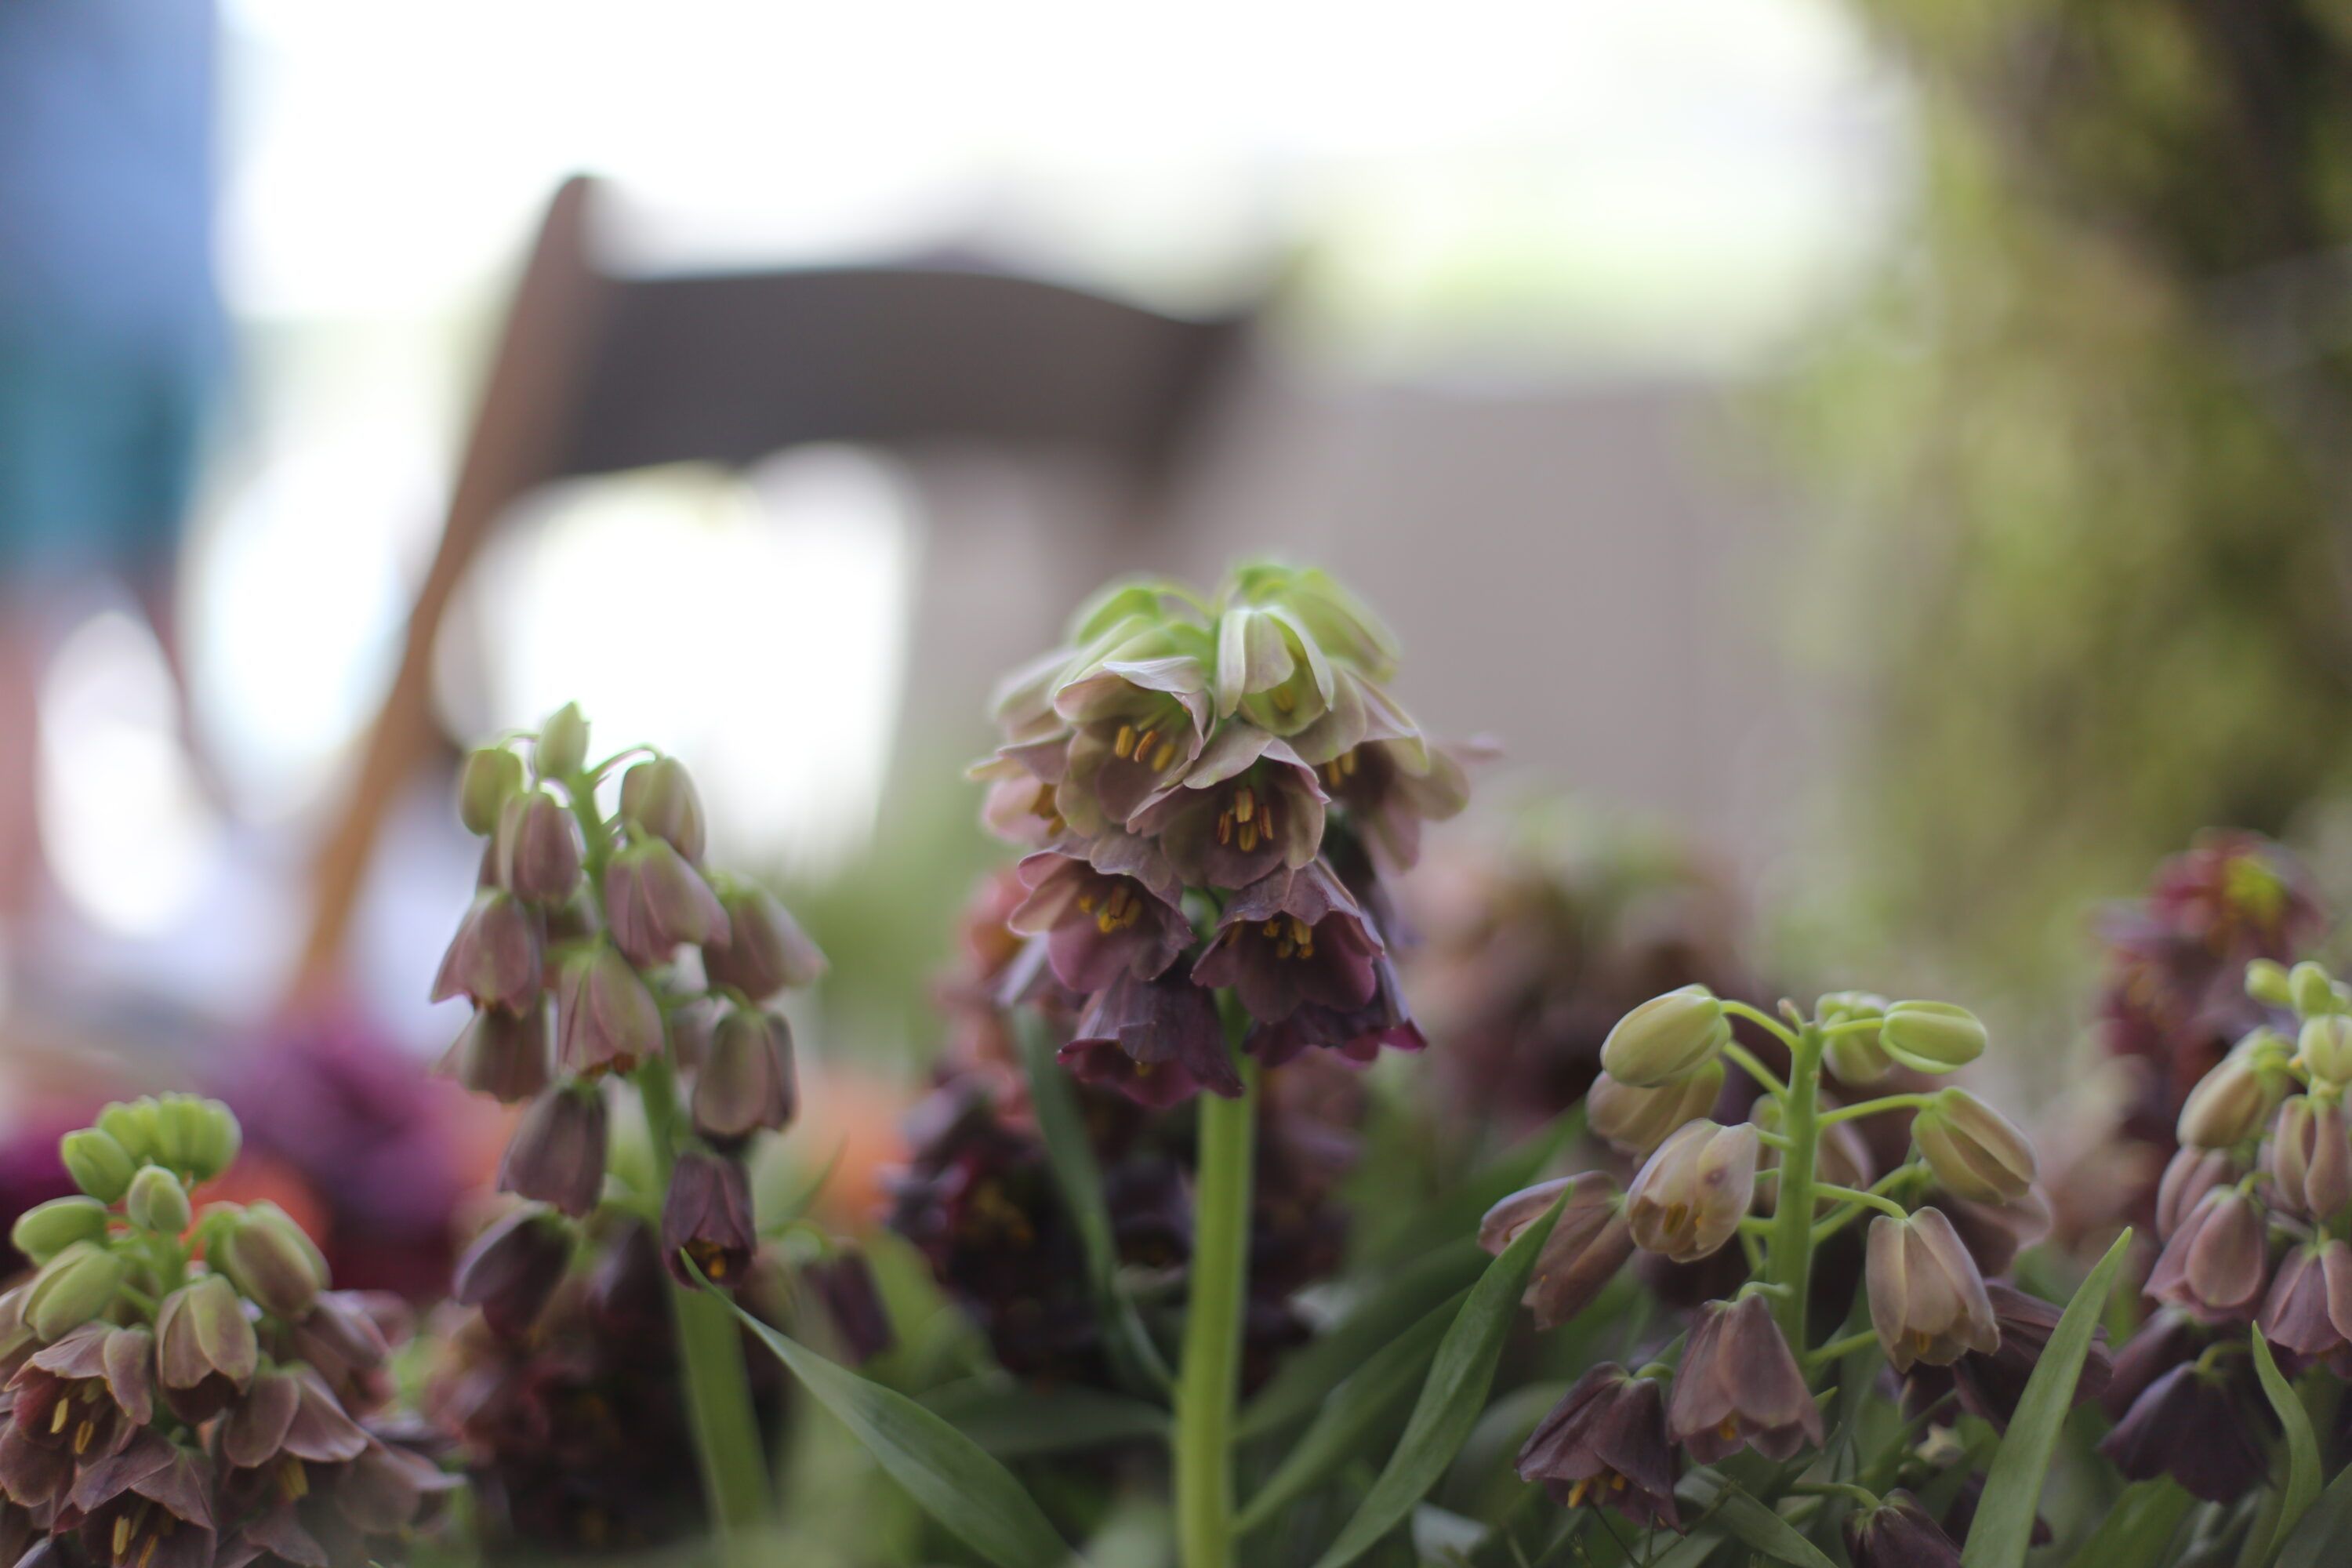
(2302,1446)
(2318,1540)
(1732,1508)
(2012,1492)
(1451,1398)
(2147,1516)
(1306,1379)
(1014,1421)
(954,1480)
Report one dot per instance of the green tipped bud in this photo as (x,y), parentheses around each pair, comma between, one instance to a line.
(1856,1057)
(2267,983)
(659,797)
(158,1202)
(562,750)
(2229,1103)
(97,1162)
(196,1137)
(490,775)
(73,1287)
(2326,1046)
(1975,1151)
(133,1125)
(268,1257)
(1932,1037)
(46,1229)
(2311,990)
(1637,1121)
(1666,1038)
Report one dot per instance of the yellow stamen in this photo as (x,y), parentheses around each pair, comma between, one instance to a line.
(1249,836)
(1729,1428)
(1921,1343)
(1087,903)
(1143,742)
(1225,828)
(293,1480)
(1283,700)
(121,1534)
(82,1435)
(1676,1214)
(147,1554)
(1347,764)
(1576,1493)
(1245,804)
(1300,932)
(64,1413)
(1616,1483)
(1163,756)
(1123,747)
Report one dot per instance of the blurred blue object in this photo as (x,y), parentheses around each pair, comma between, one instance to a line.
(111,325)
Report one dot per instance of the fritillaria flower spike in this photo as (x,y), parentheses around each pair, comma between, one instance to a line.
(1606,1443)
(1738,1386)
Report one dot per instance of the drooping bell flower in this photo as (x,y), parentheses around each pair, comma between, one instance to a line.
(1973,1149)
(1156,1041)
(1898,1534)
(1587,1247)
(1271,673)
(1666,1038)
(500,1053)
(1606,1443)
(2218,1262)
(1384,1022)
(606,1019)
(1097,925)
(2170,1338)
(149,1505)
(2187,1177)
(1389,786)
(1738,1386)
(746,1080)
(87,1393)
(1688,1197)
(2309,1308)
(765,951)
(557,1152)
(1247,807)
(655,903)
(1990,1384)
(1136,724)
(514,1268)
(538,848)
(659,797)
(706,1215)
(205,1349)
(1636,1120)
(497,957)
(270,1258)
(1292,937)
(2196,1425)
(289,1414)
(2311,1158)
(1926,1301)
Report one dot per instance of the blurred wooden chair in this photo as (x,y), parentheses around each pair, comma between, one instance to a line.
(597,372)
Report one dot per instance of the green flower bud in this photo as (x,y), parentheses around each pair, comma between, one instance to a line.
(659,797)
(198,1137)
(1975,1151)
(2311,992)
(490,775)
(97,1162)
(268,1257)
(1932,1037)
(1855,1059)
(1665,1037)
(2229,1103)
(158,1202)
(132,1125)
(562,750)
(2267,983)
(46,1229)
(71,1289)
(1637,1121)
(2326,1046)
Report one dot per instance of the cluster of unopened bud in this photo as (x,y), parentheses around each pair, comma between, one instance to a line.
(600,947)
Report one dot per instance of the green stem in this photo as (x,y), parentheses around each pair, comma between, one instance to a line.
(1837,1349)
(1209,1380)
(1762,1019)
(1741,1058)
(1872,1107)
(1789,1258)
(1868,1200)
(710,1352)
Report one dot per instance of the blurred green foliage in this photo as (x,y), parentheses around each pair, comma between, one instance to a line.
(2089,452)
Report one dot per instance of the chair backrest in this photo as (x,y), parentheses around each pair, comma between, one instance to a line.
(597,372)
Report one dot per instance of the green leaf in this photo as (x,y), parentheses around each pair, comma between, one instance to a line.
(2012,1492)
(2318,1540)
(1071,1154)
(1450,1399)
(2137,1527)
(2301,1447)
(1307,1378)
(1732,1508)
(949,1474)
(1458,1213)
(1013,1421)
(1351,1416)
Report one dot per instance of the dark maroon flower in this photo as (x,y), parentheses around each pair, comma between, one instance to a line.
(347,1340)
(496,956)
(2190,1175)
(655,903)
(1606,1443)
(1738,1386)
(746,1080)
(844,1283)
(1097,926)
(1292,937)
(2218,1261)
(1990,1384)
(514,1268)
(2196,1424)
(87,1393)
(500,1053)
(1389,787)
(1155,1041)
(765,951)
(706,1215)
(557,1153)
(538,848)
(149,1505)
(2310,1305)
(606,1019)
(1898,1534)
(290,1413)
(1587,1245)
(2168,1338)
(1248,806)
